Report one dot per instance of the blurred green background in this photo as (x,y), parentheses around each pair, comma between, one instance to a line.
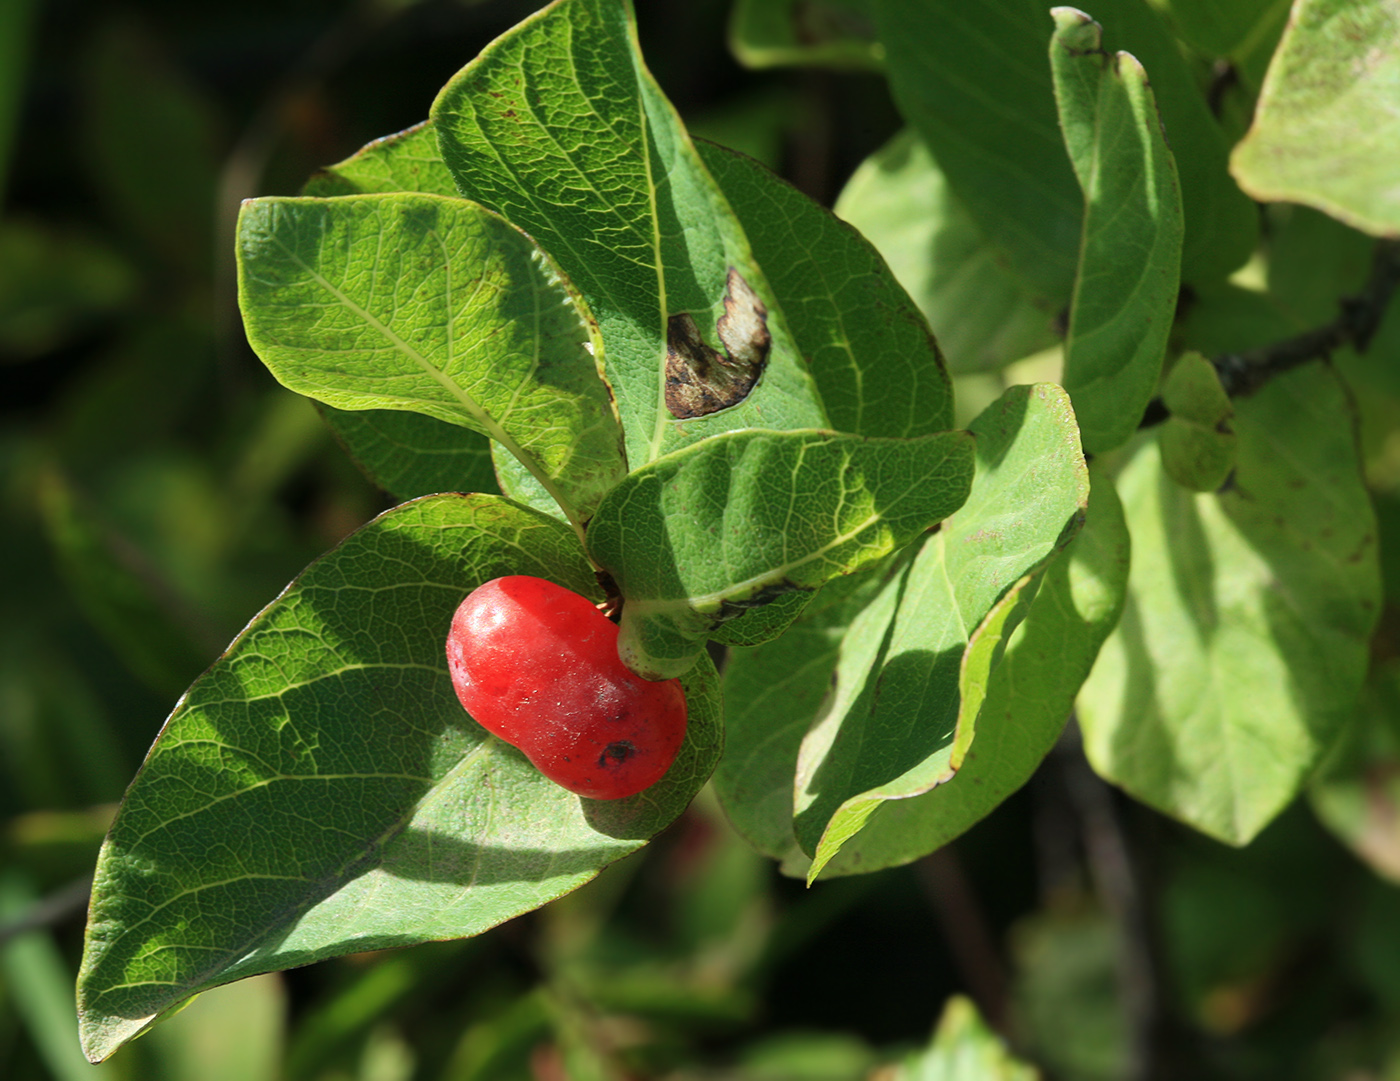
(157,488)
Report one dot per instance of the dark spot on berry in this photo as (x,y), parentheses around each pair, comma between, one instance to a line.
(616,753)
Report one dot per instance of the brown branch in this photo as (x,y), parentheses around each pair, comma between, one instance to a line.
(968,935)
(57,907)
(1356,324)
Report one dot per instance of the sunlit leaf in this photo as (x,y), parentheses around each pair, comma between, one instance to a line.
(406,161)
(433,305)
(320,791)
(1244,640)
(913,667)
(1221,224)
(743,518)
(1028,701)
(879,369)
(1130,258)
(1325,129)
(559,127)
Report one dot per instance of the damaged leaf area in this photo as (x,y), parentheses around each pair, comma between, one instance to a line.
(699,379)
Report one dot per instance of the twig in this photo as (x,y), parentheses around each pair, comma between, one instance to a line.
(965,928)
(53,909)
(1115,882)
(1356,324)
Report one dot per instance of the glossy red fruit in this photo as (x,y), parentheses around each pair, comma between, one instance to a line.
(536,664)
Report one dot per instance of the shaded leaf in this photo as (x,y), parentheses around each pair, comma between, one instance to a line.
(1130,258)
(53,286)
(16,27)
(1198,438)
(869,348)
(1357,793)
(972,79)
(772,694)
(817,33)
(746,517)
(146,619)
(913,663)
(1070,995)
(1223,27)
(1314,261)
(899,199)
(1325,129)
(1030,697)
(762,624)
(1244,640)
(152,144)
(416,302)
(320,791)
(559,127)
(410,454)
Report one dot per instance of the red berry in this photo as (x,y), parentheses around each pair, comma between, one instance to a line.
(536,664)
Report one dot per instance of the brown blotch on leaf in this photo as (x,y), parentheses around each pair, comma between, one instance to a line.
(701,380)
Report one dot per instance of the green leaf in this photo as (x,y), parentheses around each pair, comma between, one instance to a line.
(1198,438)
(152,625)
(1314,261)
(517,483)
(914,663)
(416,302)
(1130,258)
(1030,696)
(406,161)
(1223,27)
(900,200)
(54,284)
(1070,995)
(320,791)
(409,454)
(1221,223)
(762,624)
(1227,318)
(152,145)
(16,32)
(1325,129)
(964,1049)
(772,693)
(972,79)
(870,350)
(813,33)
(406,454)
(1357,793)
(39,982)
(229,1034)
(559,127)
(745,517)
(1244,640)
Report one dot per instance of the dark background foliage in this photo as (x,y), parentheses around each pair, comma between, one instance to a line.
(157,488)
